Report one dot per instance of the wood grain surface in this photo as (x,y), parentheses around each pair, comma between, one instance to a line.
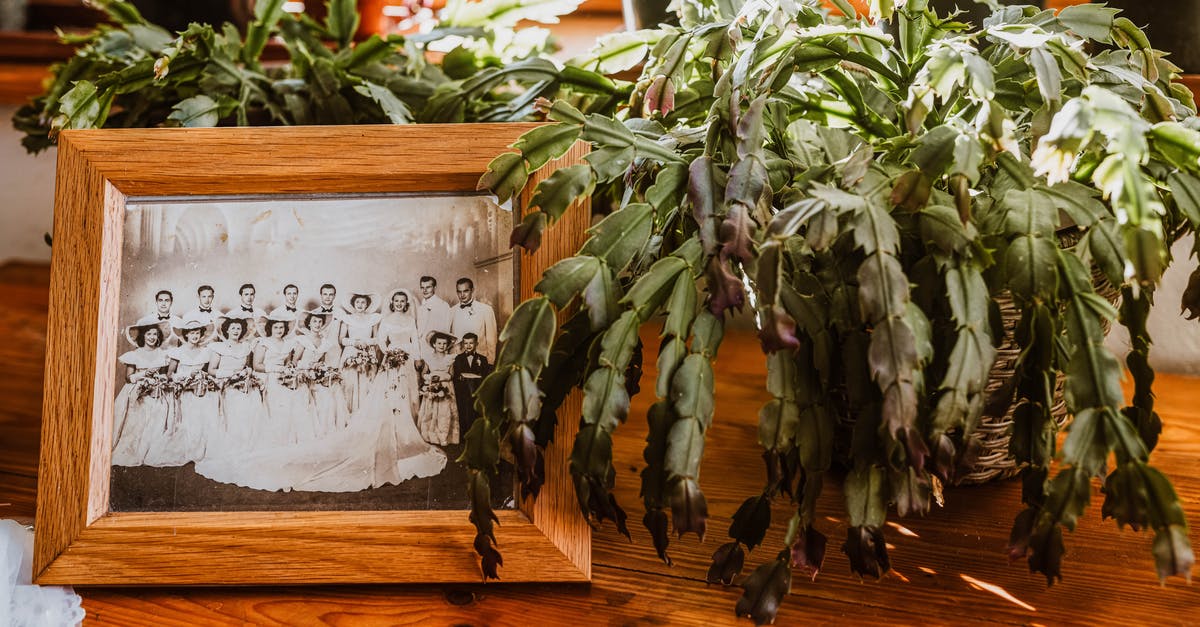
(949,566)
(80,542)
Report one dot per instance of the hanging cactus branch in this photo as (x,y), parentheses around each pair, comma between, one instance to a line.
(872,198)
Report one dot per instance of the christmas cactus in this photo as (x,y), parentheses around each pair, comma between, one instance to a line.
(867,183)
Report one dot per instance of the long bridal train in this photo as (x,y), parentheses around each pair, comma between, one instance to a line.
(381,445)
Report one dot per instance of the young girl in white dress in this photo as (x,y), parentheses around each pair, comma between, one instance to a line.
(316,359)
(360,359)
(399,345)
(437,418)
(242,406)
(287,404)
(142,407)
(197,408)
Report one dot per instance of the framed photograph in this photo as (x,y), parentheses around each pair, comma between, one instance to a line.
(261,350)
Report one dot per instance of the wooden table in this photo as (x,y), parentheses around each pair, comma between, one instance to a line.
(950,566)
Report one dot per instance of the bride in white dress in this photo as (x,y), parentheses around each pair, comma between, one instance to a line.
(399,345)
(380,446)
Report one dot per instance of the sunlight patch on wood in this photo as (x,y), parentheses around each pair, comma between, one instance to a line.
(996,590)
(904,531)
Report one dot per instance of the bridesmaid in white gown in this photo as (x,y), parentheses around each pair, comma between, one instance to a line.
(287,405)
(197,411)
(242,407)
(359,360)
(378,447)
(398,343)
(438,416)
(316,359)
(142,407)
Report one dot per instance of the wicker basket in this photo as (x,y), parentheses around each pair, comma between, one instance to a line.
(994,429)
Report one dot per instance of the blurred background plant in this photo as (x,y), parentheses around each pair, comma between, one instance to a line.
(469,64)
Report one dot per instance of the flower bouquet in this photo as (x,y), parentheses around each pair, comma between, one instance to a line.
(395,358)
(435,390)
(322,374)
(155,385)
(199,383)
(290,377)
(364,361)
(244,381)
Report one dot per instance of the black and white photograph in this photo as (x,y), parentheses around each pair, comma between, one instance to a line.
(305,354)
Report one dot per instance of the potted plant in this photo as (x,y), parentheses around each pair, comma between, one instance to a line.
(134,73)
(871,199)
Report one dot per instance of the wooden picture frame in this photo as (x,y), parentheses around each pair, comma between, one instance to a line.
(80,542)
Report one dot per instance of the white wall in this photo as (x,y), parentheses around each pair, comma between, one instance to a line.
(26,195)
(27,190)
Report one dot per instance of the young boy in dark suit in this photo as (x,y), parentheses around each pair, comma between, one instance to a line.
(470,368)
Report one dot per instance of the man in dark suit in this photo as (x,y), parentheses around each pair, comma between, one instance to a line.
(470,368)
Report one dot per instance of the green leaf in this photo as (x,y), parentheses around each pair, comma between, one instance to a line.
(1089,20)
(610,162)
(600,297)
(685,447)
(866,496)
(267,14)
(522,397)
(83,106)
(619,342)
(1029,212)
(621,235)
(554,194)
(392,106)
(1029,266)
(546,142)
(670,355)
(692,389)
(505,177)
(527,336)
(652,288)
(617,52)
(341,19)
(1185,188)
(605,399)
(1173,552)
(197,111)
(681,307)
(778,421)
(568,278)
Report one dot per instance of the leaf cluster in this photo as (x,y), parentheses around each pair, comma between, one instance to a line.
(132,73)
(869,185)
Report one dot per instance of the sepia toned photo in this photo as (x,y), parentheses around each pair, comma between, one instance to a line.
(305,354)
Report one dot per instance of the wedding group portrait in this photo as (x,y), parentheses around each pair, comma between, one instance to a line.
(317,347)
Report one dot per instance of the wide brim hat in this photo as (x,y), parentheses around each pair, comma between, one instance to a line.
(305,316)
(191,324)
(433,336)
(164,331)
(250,326)
(373,301)
(264,322)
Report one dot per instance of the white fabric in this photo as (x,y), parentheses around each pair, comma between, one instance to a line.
(25,605)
